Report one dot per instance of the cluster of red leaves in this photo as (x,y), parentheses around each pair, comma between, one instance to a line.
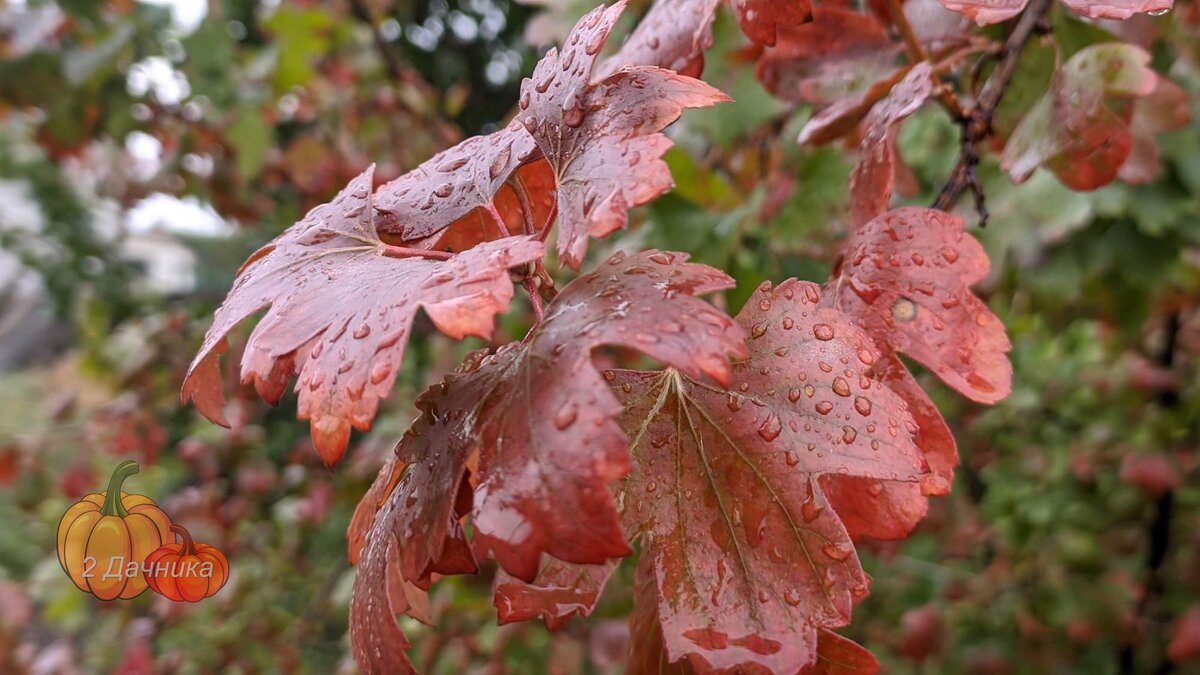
(745,469)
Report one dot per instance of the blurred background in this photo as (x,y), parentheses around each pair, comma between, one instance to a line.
(147,147)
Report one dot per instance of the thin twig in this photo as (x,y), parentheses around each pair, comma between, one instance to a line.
(917,54)
(978,124)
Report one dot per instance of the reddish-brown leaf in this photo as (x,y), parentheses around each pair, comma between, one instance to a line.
(364,514)
(762,20)
(603,139)
(560,591)
(837,655)
(840,54)
(728,486)
(672,35)
(339,314)
(1081,128)
(906,278)
(1165,109)
(873,178)
(453,185)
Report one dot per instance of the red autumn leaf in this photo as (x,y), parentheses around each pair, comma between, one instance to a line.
(762,20)
(906,276)
(1185,639)
(1165,109)
(340,311)
(540,424)
(873,179)
(603,139)
(672,35)
(728,486)
(837,655)
(840,54)
(992,11)
(560,591)
(457,184)
(370,504)
(1081,128)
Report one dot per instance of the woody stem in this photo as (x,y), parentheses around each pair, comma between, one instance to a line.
(917,54)
(189,546)
(112,499)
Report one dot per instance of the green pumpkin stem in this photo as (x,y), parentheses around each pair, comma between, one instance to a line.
(112,500)
(189,546)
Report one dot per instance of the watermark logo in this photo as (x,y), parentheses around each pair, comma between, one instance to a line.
(115,545)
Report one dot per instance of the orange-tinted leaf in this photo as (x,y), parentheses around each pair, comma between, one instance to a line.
(840,54)
(672,35)
(452,184)
(873,178)
(906,277)
(560,591)
(837,655)
(762,20)
(1081,128)
(364,514)
(339,314)
(728,485)
(603,139)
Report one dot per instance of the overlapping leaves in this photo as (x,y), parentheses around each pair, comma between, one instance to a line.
(993,11)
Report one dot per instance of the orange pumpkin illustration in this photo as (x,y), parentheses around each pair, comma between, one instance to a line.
(186,571)
(104,537)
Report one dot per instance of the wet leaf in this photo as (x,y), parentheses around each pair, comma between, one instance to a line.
(906,276)
(672,35)
(339,313)
(560,591)
(873,179)
(993,11)
(603,138)
(839,54)
(729,484)
(455,185)
(1081,128)
(762,20)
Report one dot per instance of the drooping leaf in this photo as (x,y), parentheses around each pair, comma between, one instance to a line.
(1081,128)
(560,591)
(539,423)
(453,184)
(906,276)
(728,486)
(603,139)
(1165,109)
(339,311)
(672,35)
(837,655)
(839,54)
(762,20)
(984,12)
(872,181)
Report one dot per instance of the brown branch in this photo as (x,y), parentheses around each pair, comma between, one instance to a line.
(978,125)
(917,54)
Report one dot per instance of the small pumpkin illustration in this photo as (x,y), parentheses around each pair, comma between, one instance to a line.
(186,571)
(104,537)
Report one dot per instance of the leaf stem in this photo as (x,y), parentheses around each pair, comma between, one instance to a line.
(406,252)
(519,189)
(978,124)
